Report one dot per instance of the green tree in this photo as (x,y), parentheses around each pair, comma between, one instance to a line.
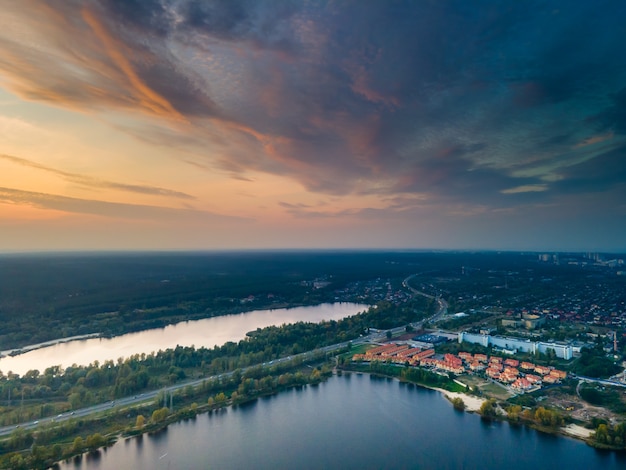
(159,415)
(18,462)
(458,403)
(94,442)
(602,434)
(78,445)
(513,413)
(220,398)
(488,409)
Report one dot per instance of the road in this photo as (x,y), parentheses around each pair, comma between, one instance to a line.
(582,379)
(442,308)
(151,395)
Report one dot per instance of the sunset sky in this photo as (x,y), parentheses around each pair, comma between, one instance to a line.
(187,124)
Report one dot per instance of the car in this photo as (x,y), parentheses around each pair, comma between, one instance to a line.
(35,422)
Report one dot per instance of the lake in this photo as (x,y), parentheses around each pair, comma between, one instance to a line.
(208,332)
(348,422)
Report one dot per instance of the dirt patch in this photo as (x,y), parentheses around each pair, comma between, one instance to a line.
(579,409)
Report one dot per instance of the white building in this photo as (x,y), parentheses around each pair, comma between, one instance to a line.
(564,351)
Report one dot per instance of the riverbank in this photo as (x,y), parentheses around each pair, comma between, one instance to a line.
(574,430)
(207,333)
(472,403)
(45,344)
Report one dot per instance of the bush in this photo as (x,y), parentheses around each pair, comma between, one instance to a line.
(458,403)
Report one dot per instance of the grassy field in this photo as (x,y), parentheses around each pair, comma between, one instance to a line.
(487,388)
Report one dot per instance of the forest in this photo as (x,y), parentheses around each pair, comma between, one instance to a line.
(50,296)
(45,297)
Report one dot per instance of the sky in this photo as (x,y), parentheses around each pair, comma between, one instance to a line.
(252,124)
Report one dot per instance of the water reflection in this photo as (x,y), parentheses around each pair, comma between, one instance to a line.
(158,435)
(209,332)
(353,424)
(93,457)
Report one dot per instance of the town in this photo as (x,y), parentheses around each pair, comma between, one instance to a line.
(519,377)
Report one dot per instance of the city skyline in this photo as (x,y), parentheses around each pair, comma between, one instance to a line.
(171,125)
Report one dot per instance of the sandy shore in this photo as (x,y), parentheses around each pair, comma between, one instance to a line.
(472,403)
(577,431)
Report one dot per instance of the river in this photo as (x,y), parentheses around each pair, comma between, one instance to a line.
(208,332)
(348,422)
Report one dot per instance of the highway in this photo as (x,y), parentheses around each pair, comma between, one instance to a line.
(151,395)
(442,304)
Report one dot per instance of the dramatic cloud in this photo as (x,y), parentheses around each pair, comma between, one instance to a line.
(479,107)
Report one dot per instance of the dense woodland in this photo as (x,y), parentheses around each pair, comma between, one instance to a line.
(56,296)
(44,297)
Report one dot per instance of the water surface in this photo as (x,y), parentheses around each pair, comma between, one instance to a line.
(208,332)
(348,423)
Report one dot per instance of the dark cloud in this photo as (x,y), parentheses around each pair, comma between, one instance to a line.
(451,174)
(474,102)
(614,117)
(149,16)
(601,173)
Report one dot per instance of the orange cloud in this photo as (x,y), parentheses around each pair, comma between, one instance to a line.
(145,95)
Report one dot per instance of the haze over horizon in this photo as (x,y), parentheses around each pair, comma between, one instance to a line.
(236,124)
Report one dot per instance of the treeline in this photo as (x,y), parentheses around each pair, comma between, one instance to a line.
(414,375)
(607,436)
(49,444)
(540,416)
(55,296)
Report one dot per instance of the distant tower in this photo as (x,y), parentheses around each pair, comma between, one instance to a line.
(615,341)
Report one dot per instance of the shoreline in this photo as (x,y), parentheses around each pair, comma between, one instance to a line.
(473,404)
(45,344)
(239,311)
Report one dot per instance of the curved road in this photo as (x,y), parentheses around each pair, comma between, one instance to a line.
(443,305)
